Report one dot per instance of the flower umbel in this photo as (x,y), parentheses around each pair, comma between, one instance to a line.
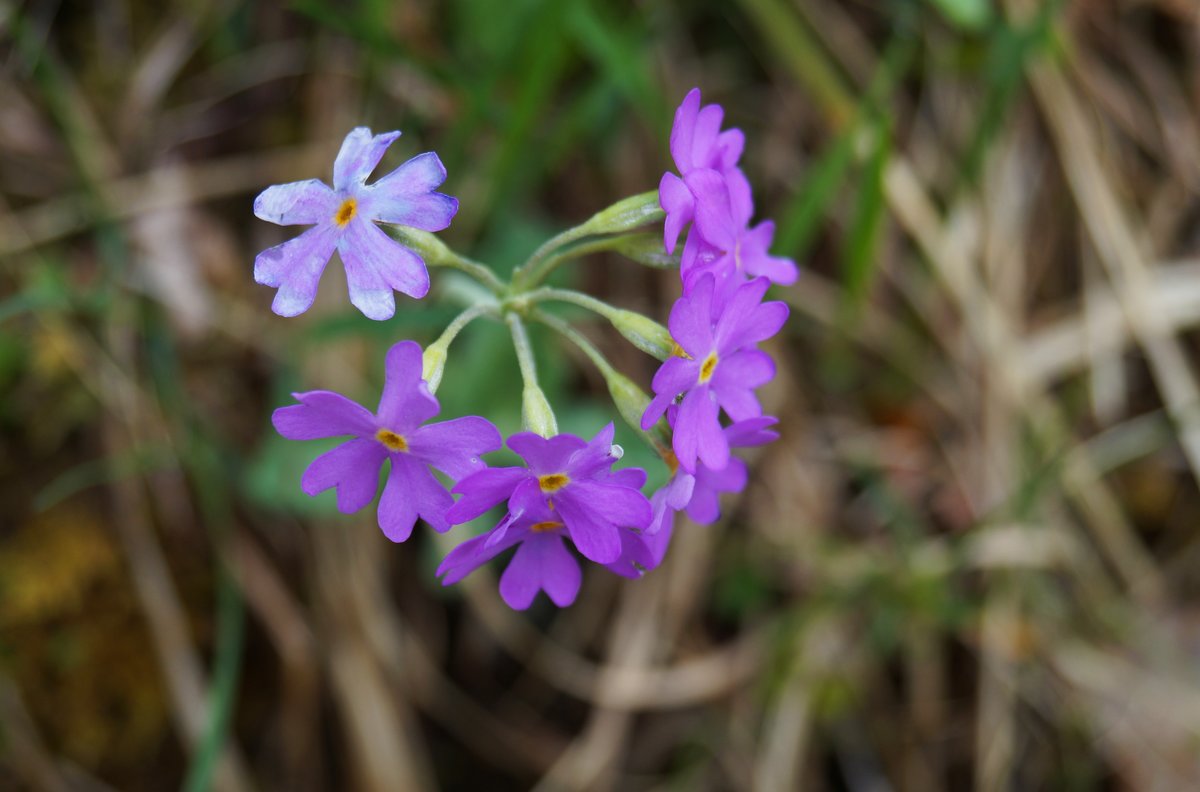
(397,432)
(344,218)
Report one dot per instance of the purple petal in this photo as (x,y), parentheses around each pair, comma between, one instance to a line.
(635,557)
(757,261)
(684,129)
(359,155)
(673,377)
(705,505)
(295,267)
(299,203)
(472,554)
(406,197)
(323,414)
(677,201)
(541,563)
(375,265)
(598,539)
(525,503)
(698,432)
(752,432)
(352,467)
(612,503)
(484,489)
(595,458)
(412,491)
(741,199)
(454,446)
(714,213)
(747,368)
(729,148)
(545,455)
(634,478)
(405,402)
(704,138)
(660,540)
(690,321)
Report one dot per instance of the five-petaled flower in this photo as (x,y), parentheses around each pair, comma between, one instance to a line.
(568,476)
(344,218)
(719,367)
(397,432)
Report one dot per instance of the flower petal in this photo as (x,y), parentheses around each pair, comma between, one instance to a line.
(698,432)
(683,130)
(729,148)
(299,203)
(375,265)
(690,321)
(673,377)
(635,557)
(757,261)
(360,153)
(595,537)
(352,467)
(705,505)
(752,432)
(484,489)
(323,414)
(714,212)
(546,455)
(704,138)
(454,446)
(680,205)
(625,507)
(472,554)
(541,563)
(406,197)
(405,402)
(295,267)
(412,491)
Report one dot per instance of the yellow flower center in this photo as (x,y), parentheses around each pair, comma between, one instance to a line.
(553,482)
(708,366)
(345,212)
(542,527)
(391,440)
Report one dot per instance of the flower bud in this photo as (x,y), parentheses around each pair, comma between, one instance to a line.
(631,403)
(536,414)
(433,364)
(643,332)
(633,212)
(646,249)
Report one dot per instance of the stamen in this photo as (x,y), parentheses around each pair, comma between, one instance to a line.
(542,527)
(552,482)
(345,212)
(391,440)
(707,368)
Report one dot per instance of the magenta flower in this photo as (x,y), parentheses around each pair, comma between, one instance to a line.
(569,477)
(719,370)
(394,432)
(344,218)
(726,245)
(701,151)
(543,561)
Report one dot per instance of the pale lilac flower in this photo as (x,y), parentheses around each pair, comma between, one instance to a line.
(344,218)
(719,370)
(568,476)
(394,432)
(701,151)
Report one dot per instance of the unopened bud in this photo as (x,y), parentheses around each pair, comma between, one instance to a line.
(643,332)
(536,414)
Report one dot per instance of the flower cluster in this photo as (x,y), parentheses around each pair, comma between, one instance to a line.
(567,494)
(719,320)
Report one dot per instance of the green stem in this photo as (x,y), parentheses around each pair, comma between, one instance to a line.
(641,331)
(577,338)
(434,359)
(625,215)
(536,413)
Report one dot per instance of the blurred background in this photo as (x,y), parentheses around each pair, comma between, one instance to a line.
(971,562)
